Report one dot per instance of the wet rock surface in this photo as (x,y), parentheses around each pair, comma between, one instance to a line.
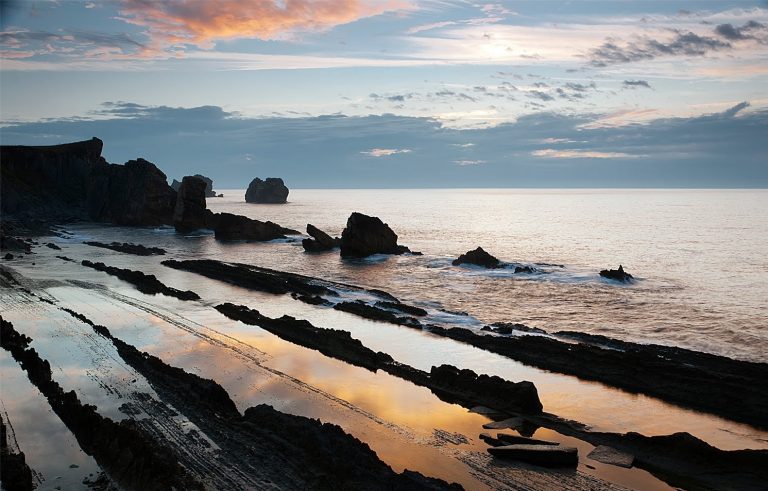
(320,241)
(617,275)
(145,283)
(365,235)
(362,309)
(128,248)
(544,455)
(477,257)
(129,455)
(238,227)
(272,190)
(447,382)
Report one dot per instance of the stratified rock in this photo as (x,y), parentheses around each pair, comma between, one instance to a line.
(478,257)
(273,190)
(617,274)
(609,455)
(365,235)
(544,455)
(189,213)
(320,241)
(237,227)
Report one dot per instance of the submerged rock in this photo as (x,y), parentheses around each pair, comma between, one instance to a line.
(525,270)
(273,190)
(189,213)
(128,248)
(478,257)
(320,241)
(365,235)
(617,274)
(609,455)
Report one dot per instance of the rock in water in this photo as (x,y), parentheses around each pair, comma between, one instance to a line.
(544,455)
(478,257)
(609,455)
(320,241)
(617,274)
(273,190)
(366,235)
(237,227)
(189,213)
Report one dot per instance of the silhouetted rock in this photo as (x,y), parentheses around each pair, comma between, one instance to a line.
(525,270)
(145,283)
(365,235)
(478,257)
(544,455)
(189,213)
(8,256)
(320,241)
(175,185)
(16,474)
(237,227)
(617,274)
(509,327)
(128,248)
(51,245)
(273,190)
(209,192)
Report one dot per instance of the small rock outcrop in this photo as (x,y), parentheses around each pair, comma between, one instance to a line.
(273,190)
(478,257)
(320,241)
(237,227)
(617,274)
(366,235)
(189,213)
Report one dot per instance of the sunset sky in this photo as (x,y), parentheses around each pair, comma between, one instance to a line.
(539,93)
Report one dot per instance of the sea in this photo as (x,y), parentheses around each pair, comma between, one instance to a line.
(699,259)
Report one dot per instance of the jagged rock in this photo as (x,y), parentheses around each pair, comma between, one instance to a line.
(175,185)
(8,256)
(237,227)
(189,213)
(509,327)
(617,274)
(320,241)
(366,235)
(128,248)
(544,455)
(51,245)
(478,257)
(273,190)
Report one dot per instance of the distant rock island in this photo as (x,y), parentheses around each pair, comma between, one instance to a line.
(209,192)
(273,190)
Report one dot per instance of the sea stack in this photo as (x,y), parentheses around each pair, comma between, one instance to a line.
(320,241)
(365,235)
(273,190)
(189,213)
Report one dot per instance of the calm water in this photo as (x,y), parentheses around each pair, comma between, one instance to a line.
(701,257)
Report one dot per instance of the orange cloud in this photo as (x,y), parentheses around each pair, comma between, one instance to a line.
(203,22)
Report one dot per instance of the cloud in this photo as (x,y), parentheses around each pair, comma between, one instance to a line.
(551,153)
(464,163)
(750,30)
(74,43)
(463,145)
(385,152)
(635,84)
(537,94)
(732,111)
(202,23)
(683,43)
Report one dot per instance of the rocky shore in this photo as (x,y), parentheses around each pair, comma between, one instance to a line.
(145,283)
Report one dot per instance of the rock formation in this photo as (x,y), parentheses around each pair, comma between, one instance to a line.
(273,190)
(237,227)
(365,235)
(209,192)
(189,213)
(617,274)
(320,241)
(478,257)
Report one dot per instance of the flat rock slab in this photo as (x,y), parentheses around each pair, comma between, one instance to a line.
(521,440)
(491,440)
(484,410)
(512,423)
(543,455)
(609,455)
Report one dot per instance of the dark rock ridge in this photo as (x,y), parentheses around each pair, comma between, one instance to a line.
(617,274)
(189,212)
(729,388)
(273,190)
(320,241)
(128,248)
(362,309)
(16,474)
(365,235)
(130,456)
(543,455)
(447,382)
(145,283)
(209,192)
(477,257)
(236,227)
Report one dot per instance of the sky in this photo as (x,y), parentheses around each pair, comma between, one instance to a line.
(399,93)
